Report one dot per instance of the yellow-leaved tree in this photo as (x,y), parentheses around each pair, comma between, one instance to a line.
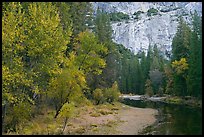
(90,53)
(180,66)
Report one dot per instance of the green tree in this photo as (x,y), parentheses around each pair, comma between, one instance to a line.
(67,86)
(181,41)
(90,53)
(81,15)
(180,49)
(103,28)
(195,59)
(16,86)
(180,68)
(66,112)
(103,31)
(168,77)
(148,88)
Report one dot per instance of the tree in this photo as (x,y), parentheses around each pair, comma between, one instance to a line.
(67,86)
(148,88)
(81,15)
(16,86)
(180,49)
(180,68)
(33,52)
(90,53)
(66,22)
(157,60)
(156,77)
(169,79)
(46,44)
(195,59)
(181,41)
(66,112)
(103,28)
(103,32)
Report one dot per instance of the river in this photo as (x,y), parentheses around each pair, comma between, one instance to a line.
(172,119)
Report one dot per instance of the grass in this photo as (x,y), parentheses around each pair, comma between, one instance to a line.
(187,101)
(95,129)
(80,130)
(45,124)
(104,112)
(94,125)
(94,114)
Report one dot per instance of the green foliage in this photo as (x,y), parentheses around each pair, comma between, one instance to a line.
(181,49)
(112,94)
(137,14)
(169,78)
(90,53)
(81,16)
(68,85)
(67,110)
(98,96)
(103,32)
(181,41)
(50,57)
(152,12)
(160,91)
(194,78)
(118,16)
(109,95)
(156,77)
(16,83)
(65,17)
(148,88)
(180,66)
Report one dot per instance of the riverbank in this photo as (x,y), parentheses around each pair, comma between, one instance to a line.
(169,99)
(112,120)
(135,119)
(104,119)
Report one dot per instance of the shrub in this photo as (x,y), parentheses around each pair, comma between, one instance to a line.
(106,95)
(112,94)
(118,16)
(98,96)
(137,14)
(152,11)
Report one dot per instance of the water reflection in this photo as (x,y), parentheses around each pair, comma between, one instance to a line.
(175,119)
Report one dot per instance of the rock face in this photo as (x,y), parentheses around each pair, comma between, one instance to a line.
(138,34)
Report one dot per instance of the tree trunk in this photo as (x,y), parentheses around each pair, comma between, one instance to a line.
(65,123)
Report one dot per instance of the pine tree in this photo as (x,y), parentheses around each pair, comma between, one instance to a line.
(195,59)
(81,15)
(181,41)
(180,49)
(148,88)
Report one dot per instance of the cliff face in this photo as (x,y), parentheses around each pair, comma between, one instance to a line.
(137,34)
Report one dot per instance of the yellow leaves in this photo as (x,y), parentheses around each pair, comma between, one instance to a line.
(67,110)
(180,66)
(9,97)
(90,53)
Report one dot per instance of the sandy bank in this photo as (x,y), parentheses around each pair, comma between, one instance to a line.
(125,121)
(135,119)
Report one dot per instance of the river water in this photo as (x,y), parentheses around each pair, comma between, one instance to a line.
(172,119)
